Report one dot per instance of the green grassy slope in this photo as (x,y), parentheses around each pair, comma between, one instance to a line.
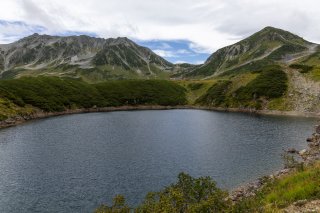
(254,89)
(58,94)
(278,194)
(248,90)
(268,46)
(92,75)
(309,65)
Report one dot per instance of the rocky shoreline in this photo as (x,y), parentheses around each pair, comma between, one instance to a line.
(306,156)
(39,114)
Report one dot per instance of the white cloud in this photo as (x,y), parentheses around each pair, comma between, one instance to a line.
(208,24)
(199,62)
(183,51)
(173,53)
(165,53)
(164,46)
(12,31)
(199,49)
(180,62)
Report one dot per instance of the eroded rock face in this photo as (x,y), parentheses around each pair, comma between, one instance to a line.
(303,206)
(38,52)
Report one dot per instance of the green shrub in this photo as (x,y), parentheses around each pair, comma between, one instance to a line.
(195,86)
(269,84)
(58,94)
(187,195)
(216,95)
(201,194)
(51,93)
(3,117)
(118,206)
(139,92)
(301,67)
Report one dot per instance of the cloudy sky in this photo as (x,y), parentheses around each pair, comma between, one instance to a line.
(179,30)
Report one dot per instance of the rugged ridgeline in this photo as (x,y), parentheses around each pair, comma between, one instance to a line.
(80,56)
(268,46)
(99,59)
(271,70)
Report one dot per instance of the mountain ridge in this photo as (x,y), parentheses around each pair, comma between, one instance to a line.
(270,43)
(98,59)
(37,52)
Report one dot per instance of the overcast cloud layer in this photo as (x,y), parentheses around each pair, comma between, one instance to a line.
(204,25)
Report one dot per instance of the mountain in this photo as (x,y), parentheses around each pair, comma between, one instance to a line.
(270,45)
(271,70)
(80,56)
(97,59)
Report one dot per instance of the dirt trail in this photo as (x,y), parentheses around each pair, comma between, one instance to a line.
(293,58)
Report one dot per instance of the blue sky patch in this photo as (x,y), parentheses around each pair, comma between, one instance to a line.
(175,51)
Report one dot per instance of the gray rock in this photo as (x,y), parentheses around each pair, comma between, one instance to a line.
(292,150)
(303,152)
(309,139)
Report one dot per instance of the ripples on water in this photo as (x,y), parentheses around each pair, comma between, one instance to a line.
(74,163)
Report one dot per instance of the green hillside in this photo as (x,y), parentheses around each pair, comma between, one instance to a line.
(250,90)
(53,94)
(268,46)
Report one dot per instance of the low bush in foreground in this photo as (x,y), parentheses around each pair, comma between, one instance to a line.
(187,195)
(201,195)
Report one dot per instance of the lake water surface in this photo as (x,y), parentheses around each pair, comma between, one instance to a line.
(74,163)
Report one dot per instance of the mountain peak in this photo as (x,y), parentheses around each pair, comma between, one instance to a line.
(107,58)
(270,28)
(278,34)
(268,44)
(34,35)
(122,40)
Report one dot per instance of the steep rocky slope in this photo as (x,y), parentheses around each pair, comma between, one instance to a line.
(79,55)
(268,46)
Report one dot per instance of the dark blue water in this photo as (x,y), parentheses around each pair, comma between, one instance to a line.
(74,163)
